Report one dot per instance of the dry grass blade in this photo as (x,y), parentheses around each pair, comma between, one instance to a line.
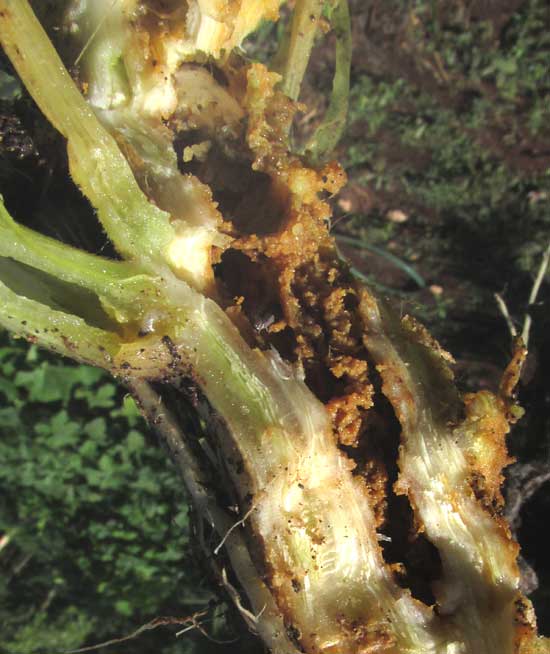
(161,621)
(534,293)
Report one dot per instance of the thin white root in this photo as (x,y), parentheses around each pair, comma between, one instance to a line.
(534,292)
(249,617)
(528,321)
(506,314)
(232,528)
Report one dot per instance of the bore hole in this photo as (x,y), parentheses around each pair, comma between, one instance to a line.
(246,197)
(240,277)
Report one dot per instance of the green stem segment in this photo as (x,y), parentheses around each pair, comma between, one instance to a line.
(137,228)
(58,331)
(305,23)
(55,258)
(115,283)
(326,137)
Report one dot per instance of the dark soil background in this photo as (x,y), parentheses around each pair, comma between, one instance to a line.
(447,150)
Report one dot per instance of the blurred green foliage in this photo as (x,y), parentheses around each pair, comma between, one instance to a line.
(94,521)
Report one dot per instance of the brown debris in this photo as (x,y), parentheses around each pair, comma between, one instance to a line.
(511,375)
(486,426)
(316,295)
